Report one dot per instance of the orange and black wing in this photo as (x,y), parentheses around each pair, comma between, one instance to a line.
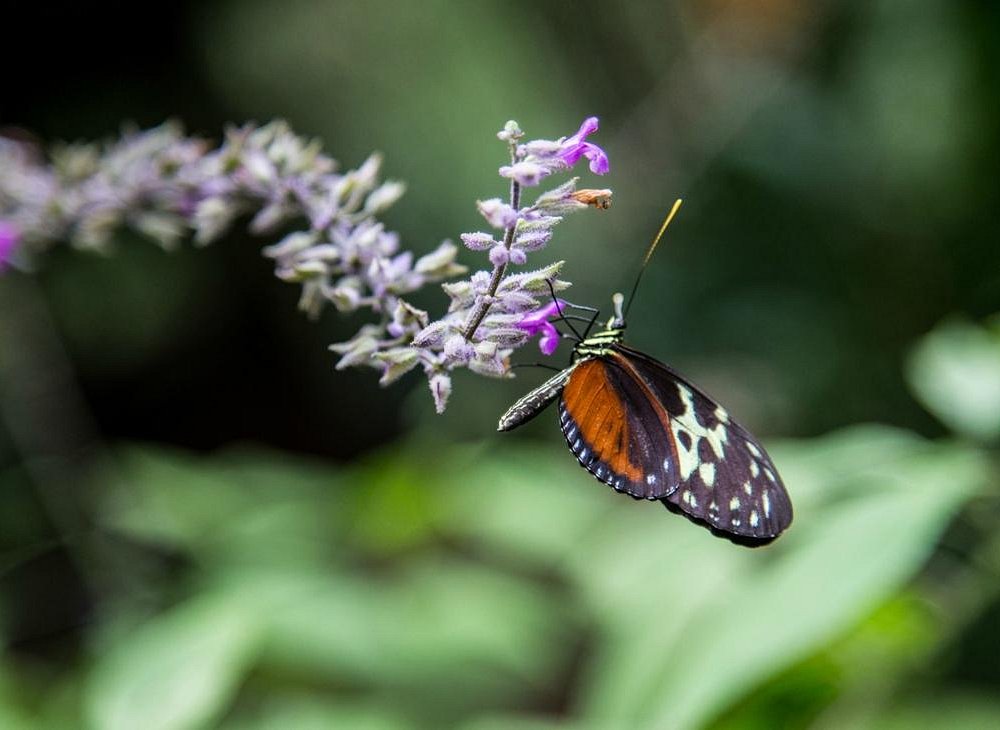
(640,427)
(617,429)
(728,482)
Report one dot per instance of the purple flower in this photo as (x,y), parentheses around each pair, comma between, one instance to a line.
(479,241)
(538,322)
(440,385)
(574,147)
(527,173)
(8,242)
(497,213)
(499,255)
(457,349)
(532,240)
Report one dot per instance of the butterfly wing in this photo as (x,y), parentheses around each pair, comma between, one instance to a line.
(728,482)
(617,430)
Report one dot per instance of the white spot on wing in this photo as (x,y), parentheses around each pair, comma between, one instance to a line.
(754,519)
(651,479)
(747,488)
(770,474)
(754,469)
(767,503)
(688,421)
(707,473)
(734,503)
(752,448)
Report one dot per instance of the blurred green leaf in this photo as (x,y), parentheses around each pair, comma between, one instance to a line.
(421,630)
(241,506)
(955,372)
(951,711)
(393,507)
(11,718)
(13,712)
(849,678)
(178,670)
(533,504)
(520,722)
(716,621)
(681,624)
(306,713)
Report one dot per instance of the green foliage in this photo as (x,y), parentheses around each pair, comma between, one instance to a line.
(177,670)
(482,587)
(953,711)
(955,371)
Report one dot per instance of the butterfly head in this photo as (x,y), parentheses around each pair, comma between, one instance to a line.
(617,321)
(613,333)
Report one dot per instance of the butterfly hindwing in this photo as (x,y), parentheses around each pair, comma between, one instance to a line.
(728,483)
(617,431)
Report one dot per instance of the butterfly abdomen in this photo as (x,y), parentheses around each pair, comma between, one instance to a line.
(534,402)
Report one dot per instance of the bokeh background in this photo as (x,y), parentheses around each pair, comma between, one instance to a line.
(202,524)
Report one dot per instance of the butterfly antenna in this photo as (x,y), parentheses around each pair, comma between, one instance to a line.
(559,309)
(516,365)
(649,252)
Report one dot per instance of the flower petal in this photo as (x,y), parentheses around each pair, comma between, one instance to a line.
(533,322)
(599,164)
(440,385)
(497,213)
(499,255)
(537,322)
(8,242)
(572,153)
(549,340)
(479,241)
(589,126)
(526,173)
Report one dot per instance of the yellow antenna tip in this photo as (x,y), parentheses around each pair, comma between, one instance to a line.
(666,222)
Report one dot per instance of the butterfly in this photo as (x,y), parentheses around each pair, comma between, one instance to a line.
(643,429)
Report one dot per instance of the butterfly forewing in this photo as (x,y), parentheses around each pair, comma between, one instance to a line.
(617,430)
(727,481)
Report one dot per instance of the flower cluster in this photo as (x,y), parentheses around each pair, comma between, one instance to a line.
(493,312)
(168,186)
(83,192)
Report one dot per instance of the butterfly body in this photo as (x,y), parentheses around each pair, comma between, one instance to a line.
(641,428)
